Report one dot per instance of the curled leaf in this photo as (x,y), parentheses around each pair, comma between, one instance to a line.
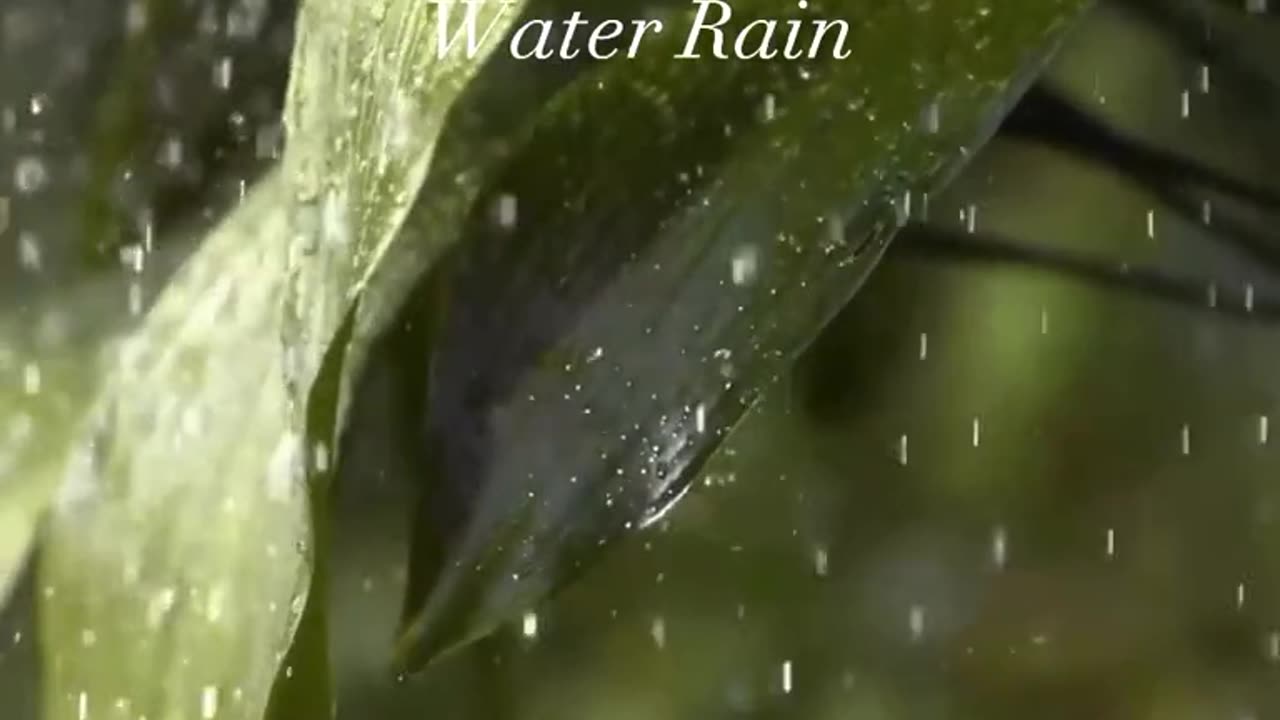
(180,550)
(667,241)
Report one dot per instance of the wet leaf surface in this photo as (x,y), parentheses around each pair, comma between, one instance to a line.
(627,289)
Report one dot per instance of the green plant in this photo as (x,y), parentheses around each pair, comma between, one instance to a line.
(180,484)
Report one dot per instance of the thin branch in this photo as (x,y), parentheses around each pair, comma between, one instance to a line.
(929,242)
(1189,25)
(1046,117)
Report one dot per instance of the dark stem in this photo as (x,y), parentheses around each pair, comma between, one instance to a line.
(931,243)
(1046,117)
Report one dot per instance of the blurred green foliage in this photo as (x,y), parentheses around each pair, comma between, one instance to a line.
(1079,523)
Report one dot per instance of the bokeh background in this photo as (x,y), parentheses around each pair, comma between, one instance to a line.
(986,492)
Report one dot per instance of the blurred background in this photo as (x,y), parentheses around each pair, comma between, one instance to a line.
(988,491)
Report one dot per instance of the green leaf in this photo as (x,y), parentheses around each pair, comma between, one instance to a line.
(58,321)
(180,546)
(684,230)
(48,354)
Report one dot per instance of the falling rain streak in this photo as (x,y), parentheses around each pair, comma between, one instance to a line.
(744,265)
(505,211)
(999,547)
(658,631)
(915,622)
(820,561)
(209,702)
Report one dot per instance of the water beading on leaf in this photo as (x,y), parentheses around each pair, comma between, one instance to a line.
(179,551)
(667,240)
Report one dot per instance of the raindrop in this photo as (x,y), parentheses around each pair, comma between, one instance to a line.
(725,356)
(834,224)
(924,346)
(700,417)
(320,457)
(999,547)
(506,211)
(1151,224)
(283,467)
(29,256)
(1186,439)
(902,208)
(1204,79)
(209,702)
(970,218)
(135,17)
(902,450)
(1263,429)
(82,705)
(31,378)
(1248,295)
(932,119)
(1273,646)
(658,631)
(769,109)
(88,638)
(1111,542)
(744,265)
(820,561)
(786,677)
(30,174)
(222,73)
(529,625)
(133,258)
(1240,596)
(159,605)
(1256,7)
(915,622)
(1186,104)
(171,153)
(135,299)
(4,213)
(215,603)
(1044,321)
(977,431)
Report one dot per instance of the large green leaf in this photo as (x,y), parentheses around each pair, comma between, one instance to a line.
(676,233)
(70,297)
(179,549)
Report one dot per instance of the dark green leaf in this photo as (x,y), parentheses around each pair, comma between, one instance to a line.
(681,231)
